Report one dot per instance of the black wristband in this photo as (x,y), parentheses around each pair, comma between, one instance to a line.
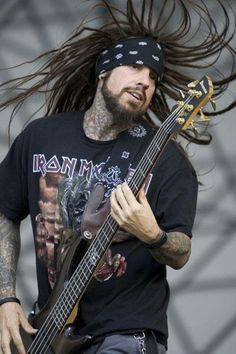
(4,300)
(159,242)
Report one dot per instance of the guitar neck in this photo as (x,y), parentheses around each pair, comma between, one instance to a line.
(149,158)
(81,277)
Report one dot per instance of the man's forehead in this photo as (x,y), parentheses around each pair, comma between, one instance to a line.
(139,67)
(132,51)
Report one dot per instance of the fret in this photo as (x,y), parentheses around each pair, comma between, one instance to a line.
(148,159)
(70,296)
(53,322)
(60,318)
(78,285)
(99,240)
(134,186)
(78,277)
(73,290)
(82,268)
(61,310)
(81,281)
(112,228)
(157,145)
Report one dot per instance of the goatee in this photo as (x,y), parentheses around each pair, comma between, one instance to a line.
(121,115)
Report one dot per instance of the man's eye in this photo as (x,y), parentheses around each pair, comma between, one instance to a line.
(153,77)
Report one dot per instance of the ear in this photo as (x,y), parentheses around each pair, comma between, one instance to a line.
(102,76)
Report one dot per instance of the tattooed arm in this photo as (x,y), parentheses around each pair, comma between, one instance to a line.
(9,254)
(136,217)
(175,252)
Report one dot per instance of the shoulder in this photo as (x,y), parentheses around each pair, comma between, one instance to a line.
(53,127)
(55,120)
(174,160)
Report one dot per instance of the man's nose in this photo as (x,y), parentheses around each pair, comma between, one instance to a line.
(144,78)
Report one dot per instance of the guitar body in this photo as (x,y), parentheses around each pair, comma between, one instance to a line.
(66,342)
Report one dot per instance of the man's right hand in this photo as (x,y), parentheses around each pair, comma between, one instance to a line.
(11,318)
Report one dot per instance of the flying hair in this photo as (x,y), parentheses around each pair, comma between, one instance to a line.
(191,49)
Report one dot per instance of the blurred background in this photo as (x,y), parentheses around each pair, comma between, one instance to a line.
(202,312)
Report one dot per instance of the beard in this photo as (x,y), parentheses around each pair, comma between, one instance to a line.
(121,116)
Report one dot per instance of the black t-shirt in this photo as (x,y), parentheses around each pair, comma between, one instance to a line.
(49,173)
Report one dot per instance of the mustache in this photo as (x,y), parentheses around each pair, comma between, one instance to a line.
(137,89)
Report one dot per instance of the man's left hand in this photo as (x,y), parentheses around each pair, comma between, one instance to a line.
(134,215)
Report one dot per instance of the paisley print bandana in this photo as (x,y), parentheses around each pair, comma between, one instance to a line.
(132,51)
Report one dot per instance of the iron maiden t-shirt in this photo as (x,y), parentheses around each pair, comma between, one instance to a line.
(50,172)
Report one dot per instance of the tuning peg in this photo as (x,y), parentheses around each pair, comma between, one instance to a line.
(182,94)
(194,128)
(189,107)
(193,84)
(180,120)
(213,103)
(203,118)
(195,93)
(180,103)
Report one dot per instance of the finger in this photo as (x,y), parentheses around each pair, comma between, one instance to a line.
(109,257)
(122,267)
(116,261)
(121,197)
(128,195)
(5,343)
(141,192)
(26,325)
(115,206)
(18,342)
(142,196)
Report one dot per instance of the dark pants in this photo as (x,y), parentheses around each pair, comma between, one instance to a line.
(126,344)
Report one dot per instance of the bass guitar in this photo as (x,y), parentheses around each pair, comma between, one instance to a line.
(56,333)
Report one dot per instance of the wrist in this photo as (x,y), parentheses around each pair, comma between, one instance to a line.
(159,241)
(4,300)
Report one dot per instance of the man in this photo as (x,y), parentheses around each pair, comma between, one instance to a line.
(53,171)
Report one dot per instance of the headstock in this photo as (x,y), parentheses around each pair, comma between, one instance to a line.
(199,93)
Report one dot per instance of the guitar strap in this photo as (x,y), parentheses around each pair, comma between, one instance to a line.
(128,148)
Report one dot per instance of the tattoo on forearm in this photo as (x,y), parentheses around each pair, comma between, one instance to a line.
(9,254)
(175,252)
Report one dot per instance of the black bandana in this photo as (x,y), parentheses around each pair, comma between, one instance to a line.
(140,50)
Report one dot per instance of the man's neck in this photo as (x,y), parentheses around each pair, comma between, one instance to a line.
(98,121)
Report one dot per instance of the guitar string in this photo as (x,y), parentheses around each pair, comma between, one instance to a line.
(45,329)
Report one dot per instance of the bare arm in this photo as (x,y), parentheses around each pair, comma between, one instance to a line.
(135,216)
(9,254)
(175,252)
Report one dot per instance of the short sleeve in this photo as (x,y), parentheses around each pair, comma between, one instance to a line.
(175,206)
(13,181)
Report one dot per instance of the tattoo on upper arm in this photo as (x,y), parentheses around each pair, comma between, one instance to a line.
(9,254)
(175,252)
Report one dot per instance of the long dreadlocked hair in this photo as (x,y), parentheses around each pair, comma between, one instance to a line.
(67,75)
